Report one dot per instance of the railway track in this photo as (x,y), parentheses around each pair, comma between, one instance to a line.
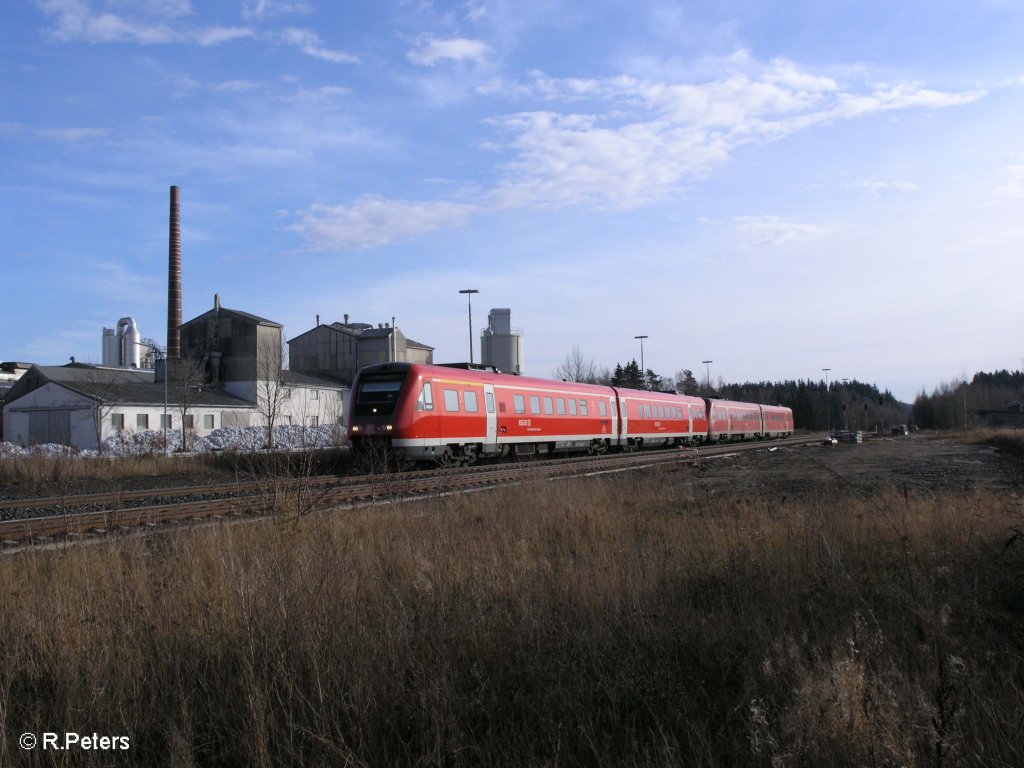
(72,517)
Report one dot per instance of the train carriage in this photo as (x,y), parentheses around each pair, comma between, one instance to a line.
(777,420)
(731,420)
(660,419)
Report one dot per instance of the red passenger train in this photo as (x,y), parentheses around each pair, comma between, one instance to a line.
(455,414)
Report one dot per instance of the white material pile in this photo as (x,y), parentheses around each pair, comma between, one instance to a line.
(245,439)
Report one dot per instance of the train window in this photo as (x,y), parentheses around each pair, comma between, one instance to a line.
(378,394)
(583,408)
(572,407)
(549,406)
(470,400)
(451,400)
(602,406)
(490,402)
(426,401)
(560,406)
(534,404)
(520,402)
(648,411)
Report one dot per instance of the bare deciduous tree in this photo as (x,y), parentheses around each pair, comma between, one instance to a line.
(271,392)
(576,367)
(187,375)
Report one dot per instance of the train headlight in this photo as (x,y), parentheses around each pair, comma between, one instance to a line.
(389,427)
(355,427)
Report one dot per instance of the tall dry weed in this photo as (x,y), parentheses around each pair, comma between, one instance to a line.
(629,621)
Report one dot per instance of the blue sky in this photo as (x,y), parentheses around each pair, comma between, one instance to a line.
(829,184)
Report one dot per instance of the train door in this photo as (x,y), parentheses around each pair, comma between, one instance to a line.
(623,420)
(491,441)
(615,435)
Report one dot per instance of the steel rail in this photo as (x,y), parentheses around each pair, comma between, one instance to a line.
(263,496)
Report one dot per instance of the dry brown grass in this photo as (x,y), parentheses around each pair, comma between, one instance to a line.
(48,475)
(630,621)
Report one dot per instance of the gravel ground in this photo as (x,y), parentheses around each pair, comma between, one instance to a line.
(918,462)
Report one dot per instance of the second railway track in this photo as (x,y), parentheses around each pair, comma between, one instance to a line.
(46,519)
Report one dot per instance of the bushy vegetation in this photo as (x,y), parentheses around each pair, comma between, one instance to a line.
(636,621)
(957,404)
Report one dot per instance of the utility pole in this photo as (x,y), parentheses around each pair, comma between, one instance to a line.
(828,405)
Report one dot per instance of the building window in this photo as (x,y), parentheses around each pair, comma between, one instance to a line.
(314,421)
(142,421)
(208,421)
(117,421)
(314,394)
(470,400)
(166,421)
(188,421)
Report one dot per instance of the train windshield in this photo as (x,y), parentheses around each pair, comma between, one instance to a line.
(378,394)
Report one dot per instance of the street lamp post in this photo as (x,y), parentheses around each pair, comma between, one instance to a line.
(643,371)
(708,364)
(828,405)
(846,404)
(469,299)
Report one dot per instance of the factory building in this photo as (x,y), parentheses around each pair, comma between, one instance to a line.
(242,353)
(338,350)
(501,345)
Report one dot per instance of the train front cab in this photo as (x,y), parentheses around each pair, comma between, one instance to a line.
(423,413)
(376,411)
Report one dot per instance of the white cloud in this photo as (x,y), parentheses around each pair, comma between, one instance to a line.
(71,135)
(76,20)
(774,231)
(1012,184)
(644,138)
(310,44)
(432,51)
(264,9)
(373,221)
(877,187)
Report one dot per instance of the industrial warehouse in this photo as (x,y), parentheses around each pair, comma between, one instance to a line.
(223,368)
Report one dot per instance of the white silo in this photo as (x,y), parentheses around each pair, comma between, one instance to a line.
(122,348)
(131,349)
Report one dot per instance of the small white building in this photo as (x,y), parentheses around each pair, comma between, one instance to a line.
(81,405)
